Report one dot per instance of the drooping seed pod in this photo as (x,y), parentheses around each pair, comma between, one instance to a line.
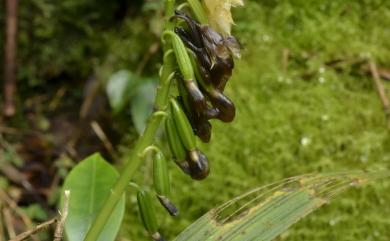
(195,112)
(198,165)
(196,98)
(227,110)
(193,100)
(168,205)
(182,58)
(224,108)
(203,129)
(162,183)
(183,125)
(148,214)
(176,146)
(193,163)
(160,175)
(188,89)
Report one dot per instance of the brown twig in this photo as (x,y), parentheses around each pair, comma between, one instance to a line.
(2,237)
(16,176)
(12,173)
(91,91)
(64,214)
(10,50)
(9,130)
(103,138)
(8,222)
(383,73)
(60,221)
(381,90)
(37,229)
(12,204)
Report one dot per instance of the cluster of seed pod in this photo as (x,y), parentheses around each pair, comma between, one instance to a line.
(205,61)
(161,183)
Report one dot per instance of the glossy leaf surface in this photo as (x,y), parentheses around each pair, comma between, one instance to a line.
(89,183)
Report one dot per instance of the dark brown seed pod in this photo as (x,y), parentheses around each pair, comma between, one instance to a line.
(202,129)
(220,73)
(168,205)
(200,124)
(198,165)
(192,99)
(184,167)
(222,107)
(226,108)
(196,98)
(196,110)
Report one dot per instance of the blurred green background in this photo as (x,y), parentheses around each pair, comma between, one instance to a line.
(320,113)
(315,111)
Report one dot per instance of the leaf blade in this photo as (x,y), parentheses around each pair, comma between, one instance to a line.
(266,212)
(90,183)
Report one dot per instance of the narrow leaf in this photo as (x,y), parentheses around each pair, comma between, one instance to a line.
(90,183)
(266,212)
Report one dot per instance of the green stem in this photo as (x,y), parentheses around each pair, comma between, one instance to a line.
(151,148)
(134,160)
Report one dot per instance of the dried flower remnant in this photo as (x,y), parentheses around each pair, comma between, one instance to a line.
(219,14)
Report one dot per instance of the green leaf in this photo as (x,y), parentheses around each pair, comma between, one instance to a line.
(119,89)
(142,104)
(90,183)
(266,212)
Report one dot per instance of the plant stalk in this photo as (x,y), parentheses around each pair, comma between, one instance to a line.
(134,160)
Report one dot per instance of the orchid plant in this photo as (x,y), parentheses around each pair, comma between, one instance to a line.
(199,53)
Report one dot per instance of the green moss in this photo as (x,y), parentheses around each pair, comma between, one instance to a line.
(311,118)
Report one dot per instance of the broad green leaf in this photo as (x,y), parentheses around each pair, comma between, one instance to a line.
(142,104)
(119,89)
(266,212)
(90,183)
